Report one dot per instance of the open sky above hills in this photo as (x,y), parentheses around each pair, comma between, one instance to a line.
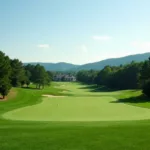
(76,31)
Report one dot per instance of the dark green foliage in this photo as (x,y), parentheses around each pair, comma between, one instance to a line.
(123,77)
(27,83)
(104,76)
(5,70)
(5,87)
(18,73)
(131,76)
(13,73)
(50,75)
(126,77)
(87,77)
(38,75)
(29,70)
(23,83)
(145,78)
(146,89)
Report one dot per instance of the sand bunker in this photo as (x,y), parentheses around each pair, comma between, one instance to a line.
(65,91)
(56,86)
(52,96)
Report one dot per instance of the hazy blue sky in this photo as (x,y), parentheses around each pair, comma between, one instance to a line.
(76,31)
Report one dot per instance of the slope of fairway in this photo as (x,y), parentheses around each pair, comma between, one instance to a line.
(93,107)
(76,89)
(79,104)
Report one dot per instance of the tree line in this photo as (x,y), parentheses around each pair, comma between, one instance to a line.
(130,76)
(14,74)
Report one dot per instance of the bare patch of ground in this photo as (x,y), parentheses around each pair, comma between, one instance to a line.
(62,85)
(64,91)
(52,96)
(12,94)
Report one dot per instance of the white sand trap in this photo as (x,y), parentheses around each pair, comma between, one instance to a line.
(52,96)
(64,91)
(62,85)
(58,86)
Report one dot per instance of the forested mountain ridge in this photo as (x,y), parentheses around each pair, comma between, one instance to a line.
(115,62)
(62,66)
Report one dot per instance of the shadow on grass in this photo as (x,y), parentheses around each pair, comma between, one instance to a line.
(136,99)
(95,88)
(31,88)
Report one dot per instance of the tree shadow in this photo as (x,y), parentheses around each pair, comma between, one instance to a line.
(31,88)
(136,99)
(95,88)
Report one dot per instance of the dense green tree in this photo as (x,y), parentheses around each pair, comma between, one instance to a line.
(18,73)
(146,88)
(87,77)
(145,73)
(126,77)
(5,71)
(27,83)
(5,87)
(103,76)
(121,77)
(145,78)
(29,71)
(40,76)
(50,76)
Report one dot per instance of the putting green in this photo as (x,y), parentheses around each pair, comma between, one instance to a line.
(98,106)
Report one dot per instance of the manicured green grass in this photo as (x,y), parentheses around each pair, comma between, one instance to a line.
(72,137)
(79,109)
(105,135)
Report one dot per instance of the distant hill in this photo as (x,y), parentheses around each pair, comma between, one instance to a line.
(62,66)
(114,62)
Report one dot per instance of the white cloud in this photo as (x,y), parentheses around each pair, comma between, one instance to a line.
(43,46)
(141,45)
(101,38)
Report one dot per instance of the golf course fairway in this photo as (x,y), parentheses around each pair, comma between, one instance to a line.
(79,104)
